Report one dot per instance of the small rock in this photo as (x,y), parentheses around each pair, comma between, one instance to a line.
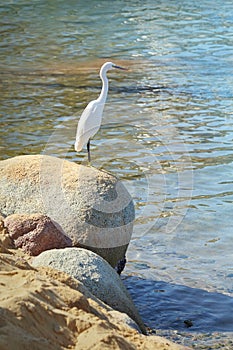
(188,323)
(96,274)
(35,233)
(120,265)
(121,317)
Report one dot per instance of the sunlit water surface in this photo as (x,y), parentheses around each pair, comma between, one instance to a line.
(167,133)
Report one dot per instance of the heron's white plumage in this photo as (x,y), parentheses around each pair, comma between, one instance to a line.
(91,117)
(89,124)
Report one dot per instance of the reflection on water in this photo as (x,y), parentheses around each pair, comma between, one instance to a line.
(167,133)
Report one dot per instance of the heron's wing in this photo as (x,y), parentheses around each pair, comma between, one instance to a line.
(89,123)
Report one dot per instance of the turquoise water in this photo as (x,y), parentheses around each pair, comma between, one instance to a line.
(167,133)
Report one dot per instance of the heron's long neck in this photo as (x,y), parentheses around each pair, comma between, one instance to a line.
(104,91)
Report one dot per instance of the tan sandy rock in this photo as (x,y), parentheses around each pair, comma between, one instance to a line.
(41,308)
(5,239)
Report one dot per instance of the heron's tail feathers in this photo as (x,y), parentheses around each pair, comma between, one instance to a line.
(78,146)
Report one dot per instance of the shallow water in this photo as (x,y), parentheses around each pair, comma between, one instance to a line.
(167,133)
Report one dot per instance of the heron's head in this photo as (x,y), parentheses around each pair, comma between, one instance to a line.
(109,65)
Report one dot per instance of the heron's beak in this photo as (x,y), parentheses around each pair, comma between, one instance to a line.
(119,67)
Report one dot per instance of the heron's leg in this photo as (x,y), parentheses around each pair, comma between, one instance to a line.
(88,151)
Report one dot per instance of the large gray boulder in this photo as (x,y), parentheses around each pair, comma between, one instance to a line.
(95,273)
(92,207)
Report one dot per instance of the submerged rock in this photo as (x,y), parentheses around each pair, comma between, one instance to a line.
(35,233)
(95,273)
(93,207)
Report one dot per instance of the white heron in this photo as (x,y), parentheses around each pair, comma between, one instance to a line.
(90,120)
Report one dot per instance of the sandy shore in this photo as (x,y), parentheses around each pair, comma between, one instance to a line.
(46,309)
